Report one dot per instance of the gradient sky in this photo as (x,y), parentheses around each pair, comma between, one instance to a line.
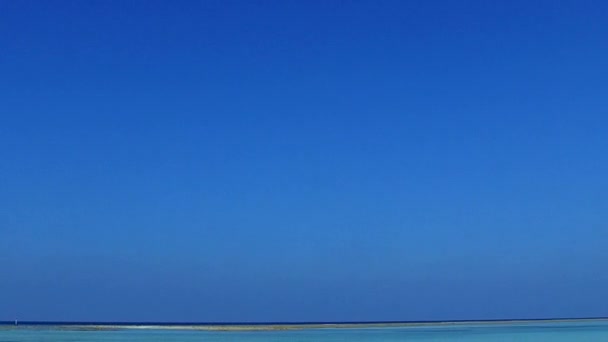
(303,160)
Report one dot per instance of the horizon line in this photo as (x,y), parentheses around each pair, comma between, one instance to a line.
(218,323)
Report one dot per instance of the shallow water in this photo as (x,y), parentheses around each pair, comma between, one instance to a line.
(554,332)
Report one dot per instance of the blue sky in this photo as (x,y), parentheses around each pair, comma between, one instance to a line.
(303,160)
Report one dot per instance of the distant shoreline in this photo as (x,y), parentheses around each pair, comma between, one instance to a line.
(100,326)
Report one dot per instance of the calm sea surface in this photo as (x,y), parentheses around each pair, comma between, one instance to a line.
(554,332)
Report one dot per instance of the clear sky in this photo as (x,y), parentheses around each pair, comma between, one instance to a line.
(303,160)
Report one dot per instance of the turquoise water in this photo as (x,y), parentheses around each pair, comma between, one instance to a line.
(554,332)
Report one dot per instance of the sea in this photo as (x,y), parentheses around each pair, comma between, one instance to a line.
(558,331)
